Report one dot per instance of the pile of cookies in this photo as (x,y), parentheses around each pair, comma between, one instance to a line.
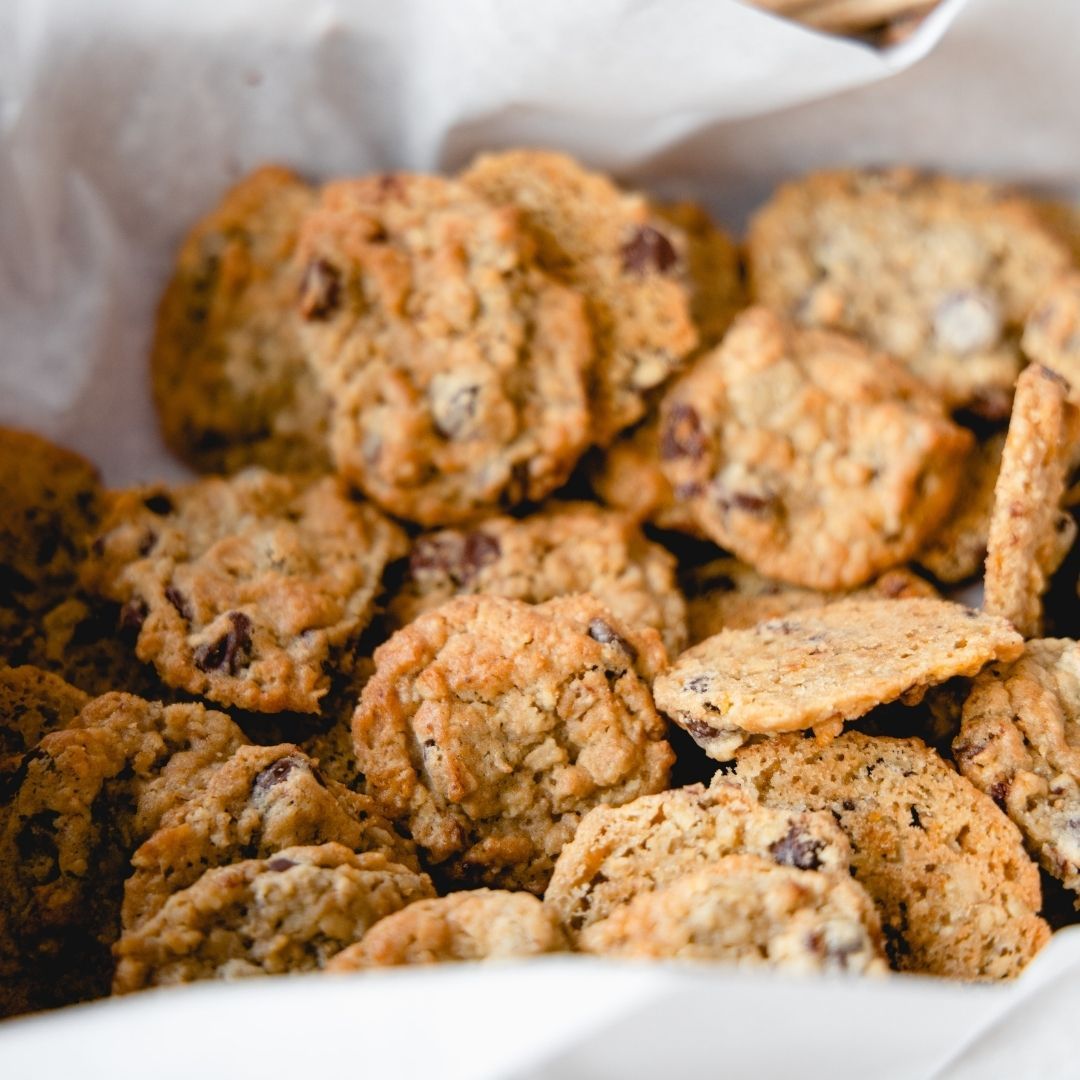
(560,577)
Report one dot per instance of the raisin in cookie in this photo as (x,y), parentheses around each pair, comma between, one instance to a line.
(263,799)
(630,264)
(938,272)
(957,550)
(620,852)
(1019,742)
(230,381)
(807,456)
(33,703)
(241,589)
(819,667)
(726,594)
(490,727)
(1030,534)
(957,894)
(481,924)
(286,914)
(456,366)
(78,805)
(746,910)
(565,549)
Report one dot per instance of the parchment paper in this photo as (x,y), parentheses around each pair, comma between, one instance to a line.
(122,121)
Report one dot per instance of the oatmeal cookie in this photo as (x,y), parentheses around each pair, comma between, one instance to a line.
(263,799)
(746,910)
(230,381)
(632,266)
(726,594)
(286,914)
(456,366)
(1030,534)
(1019,742)
(620,852)
(490,727)
(567,548)
(957,894)
(938,272)
(33,703)
(807,456)
(957,550)
(819,667)
(1052,332)
(242,589)
(481,924)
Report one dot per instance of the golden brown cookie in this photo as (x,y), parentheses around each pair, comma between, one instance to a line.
(957,894)
(631,265)
(277,916)
(455,366)
(490,727)
(807,456)
(242,589)
(819,667)
(1030,534)
(33,703)
(480,924)
(938,272)
(564,549)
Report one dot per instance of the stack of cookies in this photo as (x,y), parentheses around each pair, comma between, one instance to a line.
(560,577)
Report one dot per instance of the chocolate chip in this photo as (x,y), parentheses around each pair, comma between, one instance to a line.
(916,821)
(458,557)
(133,615)
(683,435)
(797,849)
(603,632)
(279,864)
(481,550)
(274,774)
(699,729)
(648,250)
(744,501)
(178,601)
(37,847)
(159,503)
(231,651)
(146,544)
(320,290)
(999,792)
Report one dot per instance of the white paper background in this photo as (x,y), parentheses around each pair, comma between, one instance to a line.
(122,121)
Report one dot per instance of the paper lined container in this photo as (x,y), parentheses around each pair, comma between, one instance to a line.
(121,123)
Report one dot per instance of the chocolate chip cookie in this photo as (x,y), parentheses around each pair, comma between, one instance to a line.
(567,548)
(957,894)
(33,703)
(481,924)
(940,273)
(490,727)
(808,457)
(631,265)
(230,381)
(242,589)
(747,911)
(286,914)
(455,365)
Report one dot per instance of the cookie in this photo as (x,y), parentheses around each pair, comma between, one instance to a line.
(836,250)
(1018,743)
(1052,332)
(620,852)
(482,924)
(746,910)
(819,667)
(726,594)
(263,799)
(490,727)
(632,266)
(1030,534)
(810,458)
(567,548)
(455,365)
(957,550)
(242,589)
(958,896)
(230,381)
(33,703)
(277,916)
(78,805)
